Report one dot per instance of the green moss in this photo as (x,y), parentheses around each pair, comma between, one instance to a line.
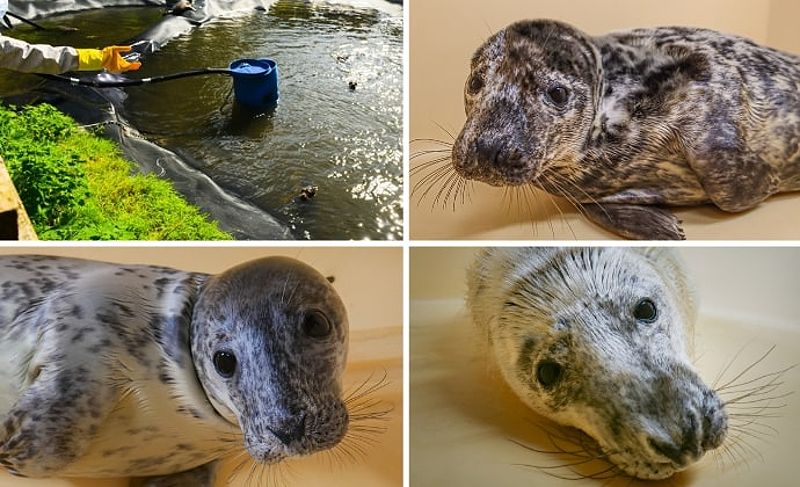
(76,186)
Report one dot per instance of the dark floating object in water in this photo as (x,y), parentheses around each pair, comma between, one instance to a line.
(180,7)
(352,85)
(307,193)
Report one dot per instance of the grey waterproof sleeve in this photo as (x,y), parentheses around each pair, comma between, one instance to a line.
(36,58)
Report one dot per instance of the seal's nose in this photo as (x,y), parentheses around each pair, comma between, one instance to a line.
(496,152)
(290,430)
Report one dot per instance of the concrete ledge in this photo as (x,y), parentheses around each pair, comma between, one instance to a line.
(14,221)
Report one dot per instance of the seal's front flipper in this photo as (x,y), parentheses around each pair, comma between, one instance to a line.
(735,182)
(638,222)
(202,476)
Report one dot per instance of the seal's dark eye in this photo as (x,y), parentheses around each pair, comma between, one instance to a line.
(558,95)
(475,84)
(316,325)
(548,373)
(225,363)
(645,310)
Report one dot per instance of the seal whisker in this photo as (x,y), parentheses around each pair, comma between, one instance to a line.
(430,181)
(754,415)
(555,204)
(566,179)
(551,473)
(433,171)
(776,374)
(437,152)
(450,134)
(558,451)
(558,181)
(530,193)
(727,366)
(244,458)
(760,400)
(452,192)
(746,369)
(755,391)
(757,408)
(431,140)
(452,175)
(753,424)
(759,435)
(364,390)
(433,157)
(762,391)
(745,447)
(438,160)
(249,480)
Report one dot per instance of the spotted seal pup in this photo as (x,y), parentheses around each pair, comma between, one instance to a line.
(596,339)
(626,124)
(133,370)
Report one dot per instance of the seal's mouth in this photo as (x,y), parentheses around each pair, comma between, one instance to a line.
(273,440)
(657,449)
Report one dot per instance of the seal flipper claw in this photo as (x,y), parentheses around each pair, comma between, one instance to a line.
(638,222)
(202,476)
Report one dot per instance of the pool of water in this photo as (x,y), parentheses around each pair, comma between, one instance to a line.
(345,141)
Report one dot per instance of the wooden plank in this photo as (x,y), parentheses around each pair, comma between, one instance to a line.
(14,221)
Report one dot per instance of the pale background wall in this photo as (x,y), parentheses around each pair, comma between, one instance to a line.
(782,30)
(445,33)
(742,281)
(370,282)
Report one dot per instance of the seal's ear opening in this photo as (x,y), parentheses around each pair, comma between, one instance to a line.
(331,279)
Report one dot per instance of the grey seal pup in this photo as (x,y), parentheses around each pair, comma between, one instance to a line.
(132,370)
(597,339)
(627,124)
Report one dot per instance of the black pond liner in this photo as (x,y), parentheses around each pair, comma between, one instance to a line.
(105,106)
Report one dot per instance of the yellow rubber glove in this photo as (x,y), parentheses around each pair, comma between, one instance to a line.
(108,58)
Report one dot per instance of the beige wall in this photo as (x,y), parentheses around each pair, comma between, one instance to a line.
(747,282)
(783,31)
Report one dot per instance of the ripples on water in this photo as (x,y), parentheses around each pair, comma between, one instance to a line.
(346,142)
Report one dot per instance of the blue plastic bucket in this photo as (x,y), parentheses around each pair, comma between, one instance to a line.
(255,82)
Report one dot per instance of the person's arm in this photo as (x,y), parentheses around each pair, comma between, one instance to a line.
(41,58)
(36,58)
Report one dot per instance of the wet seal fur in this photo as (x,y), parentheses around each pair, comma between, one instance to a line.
(626,124)
(565,329)
(117,370)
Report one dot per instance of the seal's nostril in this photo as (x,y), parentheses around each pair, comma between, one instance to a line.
(691,437)
(489,150)
(290,431)
(668,449)
(715,427)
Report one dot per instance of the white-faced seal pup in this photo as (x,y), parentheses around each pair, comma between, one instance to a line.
(596,339)
(129,370)
(627,124)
